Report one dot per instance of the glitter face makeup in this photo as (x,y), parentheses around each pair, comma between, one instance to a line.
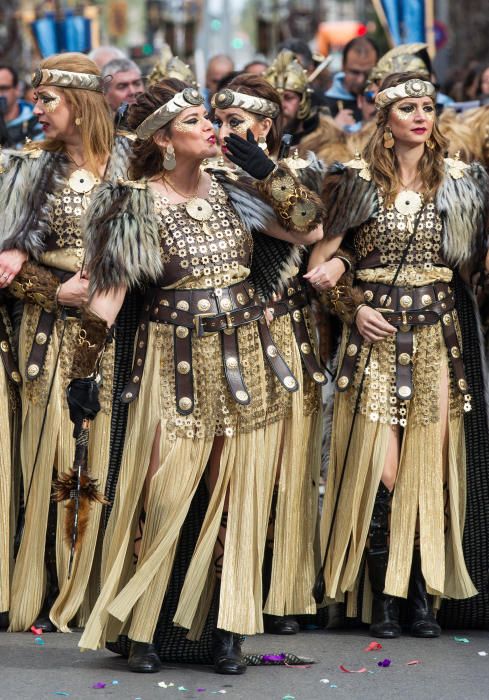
(404,111)
(237,124)
(50,101)
(189,123)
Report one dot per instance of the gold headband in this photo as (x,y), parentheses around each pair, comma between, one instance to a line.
(411,88)
(224,99)
(67,79)
(190,97)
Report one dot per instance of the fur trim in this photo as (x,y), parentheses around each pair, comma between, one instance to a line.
(119,159)
(26,199)
(255,214)
(311,176)
(462,203)
(350,200)
(328,142)
(121,237)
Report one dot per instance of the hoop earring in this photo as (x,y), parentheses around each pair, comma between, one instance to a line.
(262,143)
(431,144)
(388,138)
(78,121)
(169,161)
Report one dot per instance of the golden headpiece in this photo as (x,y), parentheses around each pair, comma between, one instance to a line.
(411,88)
(401,59)
(170,66)
(67,79)
(190,97)
(286,73)
(224,99)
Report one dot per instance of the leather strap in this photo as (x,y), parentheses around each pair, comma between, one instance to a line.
(232,367)
(37,355)
(182,363)
(352,350)
(131,390)
(404,363)
(7,356)
(275,360)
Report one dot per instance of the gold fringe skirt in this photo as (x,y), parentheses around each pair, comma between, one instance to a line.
(422,478)
(56,451)
(131,596)
(8,487)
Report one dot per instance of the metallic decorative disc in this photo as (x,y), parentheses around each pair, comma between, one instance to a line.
(306,348)
(199,209)
(404,358)
(426,300)
(303,213)
(242,396)
(82,181)
(272,351)
(231,363)
(4,346)
(16,377)
(408,202)
(290,382)
(282,188)
(343,382)
(185,403)
(226,304)
(455,352)
(351,350)
(182,332)
(404,392)
(319,377)
(297,315)
(33,370)
(183,305)
(368,295)
(462,385)
(183,367)
(203,305)
(406,301)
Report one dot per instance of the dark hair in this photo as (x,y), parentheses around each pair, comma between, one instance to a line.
(360,44)
(147,157)
(13,73)
(224,82)
(257,86)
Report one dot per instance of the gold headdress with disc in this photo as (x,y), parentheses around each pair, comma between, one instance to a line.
(170,66)
(286,73)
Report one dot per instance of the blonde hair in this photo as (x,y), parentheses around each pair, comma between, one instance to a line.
(383,162)
(96,126)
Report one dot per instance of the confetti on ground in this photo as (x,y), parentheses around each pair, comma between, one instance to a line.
(63,693)
(98,686)
(288,697)
(115,682)
(36,630)
(162,684)
(324,680)
(413,662)
(39,641)
(182,687)
(273,658)
(482,653)
(346,670)
(462,640)
(384,664)
(373,646)
(333,685)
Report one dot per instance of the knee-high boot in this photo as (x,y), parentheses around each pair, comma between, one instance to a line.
(385,608)
(421,618)
(52,589)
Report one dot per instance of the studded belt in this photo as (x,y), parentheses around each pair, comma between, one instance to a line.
(196,313)
(7,355)
(294,301)
(405,307)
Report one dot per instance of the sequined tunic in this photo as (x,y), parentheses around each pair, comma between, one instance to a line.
(212,254)
(388,234)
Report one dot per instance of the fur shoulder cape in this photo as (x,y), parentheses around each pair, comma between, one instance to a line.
(462,201)
(27,186)
(122,239)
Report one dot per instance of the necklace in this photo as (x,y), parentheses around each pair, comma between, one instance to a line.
(197,208)
(81,181)
(408,202)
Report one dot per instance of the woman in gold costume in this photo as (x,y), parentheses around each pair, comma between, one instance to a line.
(44,194)
(292,532)
(201,390)
(397,481)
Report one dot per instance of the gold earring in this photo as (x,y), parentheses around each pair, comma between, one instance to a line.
(431,144)
(169,161)
(388,138)
(78,121)
(262,143)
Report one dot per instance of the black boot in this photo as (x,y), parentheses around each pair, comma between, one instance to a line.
(52,589)
(4,622)
(421,618)
(385,608)
(226,652)
(280,624)
(143,658)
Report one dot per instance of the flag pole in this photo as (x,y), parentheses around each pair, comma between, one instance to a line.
(429,23)
(383,21)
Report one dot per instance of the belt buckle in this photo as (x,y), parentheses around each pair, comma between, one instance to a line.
(198,324)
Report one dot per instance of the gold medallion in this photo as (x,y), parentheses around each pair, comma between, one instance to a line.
(199,209)
(82,181)
(408,202)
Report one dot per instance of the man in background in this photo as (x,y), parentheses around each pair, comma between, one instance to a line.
(125,84)
(17,120)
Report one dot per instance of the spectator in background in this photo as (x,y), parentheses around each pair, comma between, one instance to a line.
(258,65)
(17,120)
(218,68)
(359,57)
(104,54)
(483,83)
(126,83)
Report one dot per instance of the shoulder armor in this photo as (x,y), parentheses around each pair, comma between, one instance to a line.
(456,167)
(135,184)
(361,165)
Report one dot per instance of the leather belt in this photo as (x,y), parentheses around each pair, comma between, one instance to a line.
(375,259)
(405,307)
(7,355)
(297,298)
(197,313)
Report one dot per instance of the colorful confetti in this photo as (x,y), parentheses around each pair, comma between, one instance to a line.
(462,640)
(273,658)
(63,693)
(99,686)
(39,641)
(482,653)
(324,680)
(36,630)
(373,646)
(162,684)
(384,664)
(346,670)
(413,662)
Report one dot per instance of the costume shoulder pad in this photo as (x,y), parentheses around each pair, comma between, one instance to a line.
(349,196)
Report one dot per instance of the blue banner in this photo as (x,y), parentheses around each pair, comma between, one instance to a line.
(406,20)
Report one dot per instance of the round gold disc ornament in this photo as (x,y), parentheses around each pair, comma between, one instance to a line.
(408,202)
(82,181)
(303,213)
(199,209)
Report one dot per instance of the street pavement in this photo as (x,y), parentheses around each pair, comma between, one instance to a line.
(447,670)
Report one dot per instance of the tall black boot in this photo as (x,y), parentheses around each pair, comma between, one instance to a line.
(421,618)
(143,658)
(226,652)
(52,589)
(385,608)
(4,622)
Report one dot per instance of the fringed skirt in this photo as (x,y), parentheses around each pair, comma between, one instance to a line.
(429,497)
(44,408)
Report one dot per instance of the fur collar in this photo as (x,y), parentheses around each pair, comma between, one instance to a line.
(27,189)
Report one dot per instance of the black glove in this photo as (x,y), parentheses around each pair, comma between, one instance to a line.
(82,397)
(248,155)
